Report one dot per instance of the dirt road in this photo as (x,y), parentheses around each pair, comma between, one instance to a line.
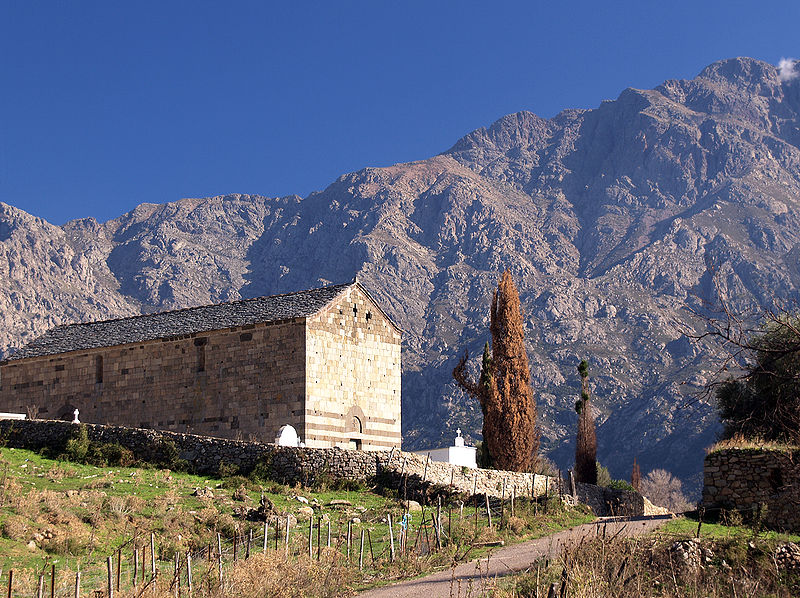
(478,574)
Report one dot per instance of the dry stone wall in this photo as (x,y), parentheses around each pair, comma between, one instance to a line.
(756,482)
(203,454)
(422,472)
(206,455)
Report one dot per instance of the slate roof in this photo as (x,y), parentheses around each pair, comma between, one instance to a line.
(170,324)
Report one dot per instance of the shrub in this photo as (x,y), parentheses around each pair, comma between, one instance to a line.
(237,481)
(76,446)
(516,524)
(167,457)
(79,449)
(262,471)
(104,454)
(621,485)
(227,470)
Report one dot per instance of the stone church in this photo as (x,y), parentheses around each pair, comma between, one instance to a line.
(326,361)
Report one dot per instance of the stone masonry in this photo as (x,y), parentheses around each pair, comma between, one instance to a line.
(753,482)
(205,455)
(326,361)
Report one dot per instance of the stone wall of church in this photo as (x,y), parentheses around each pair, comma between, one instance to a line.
(353,383)
(242,382)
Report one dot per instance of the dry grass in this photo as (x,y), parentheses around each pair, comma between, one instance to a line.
(652,566)
(742,443)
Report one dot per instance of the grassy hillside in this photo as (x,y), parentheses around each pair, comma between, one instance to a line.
(74,516)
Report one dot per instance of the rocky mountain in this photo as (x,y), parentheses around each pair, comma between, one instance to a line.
(613,221)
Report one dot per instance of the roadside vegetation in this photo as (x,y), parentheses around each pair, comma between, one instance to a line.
(74,515)
(724,559)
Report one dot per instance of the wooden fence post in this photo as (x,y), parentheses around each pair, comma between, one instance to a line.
(176,578)
(503,505)
(349,536)
(10,580)
(546,492)
(52,580)
(119,568)
(40,589)
(249,542)
(449,523)
(219,557)
(371,553)
(77,585)
(110,572)
(361,552)
(266,532)
(189,571)
(319,537)
(475,500)
(700,512)
(286,540)
(513,496)
(391,534)
(153,556)
(311,537)
(439,522)
(488,510)
(135,564)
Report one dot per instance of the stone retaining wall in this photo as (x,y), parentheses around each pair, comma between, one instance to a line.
(750,480)
(394,468)
(204,454)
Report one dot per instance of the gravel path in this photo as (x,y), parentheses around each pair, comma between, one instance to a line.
(509,559)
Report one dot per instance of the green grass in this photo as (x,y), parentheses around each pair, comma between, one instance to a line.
(92,511)
(157,493)
(687,527)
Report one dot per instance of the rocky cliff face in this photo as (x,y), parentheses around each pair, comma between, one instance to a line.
(611,221)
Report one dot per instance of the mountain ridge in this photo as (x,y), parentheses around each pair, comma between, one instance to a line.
(611,220)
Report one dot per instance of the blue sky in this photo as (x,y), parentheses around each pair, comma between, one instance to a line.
(105,105)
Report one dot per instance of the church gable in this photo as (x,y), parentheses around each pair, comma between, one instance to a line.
(353,374)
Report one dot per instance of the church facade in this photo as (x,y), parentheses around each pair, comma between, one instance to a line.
(325,361)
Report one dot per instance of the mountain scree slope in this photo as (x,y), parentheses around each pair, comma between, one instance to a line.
(613,221)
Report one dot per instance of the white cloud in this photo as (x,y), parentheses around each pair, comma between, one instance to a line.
(788,69)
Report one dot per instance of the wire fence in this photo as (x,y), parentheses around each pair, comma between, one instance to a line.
(146,560)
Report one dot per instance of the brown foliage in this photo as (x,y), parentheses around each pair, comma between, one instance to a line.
(636,477)
(504,391)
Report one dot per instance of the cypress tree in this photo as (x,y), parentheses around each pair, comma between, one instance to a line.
(636,477)
(586,441)
(504,389)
